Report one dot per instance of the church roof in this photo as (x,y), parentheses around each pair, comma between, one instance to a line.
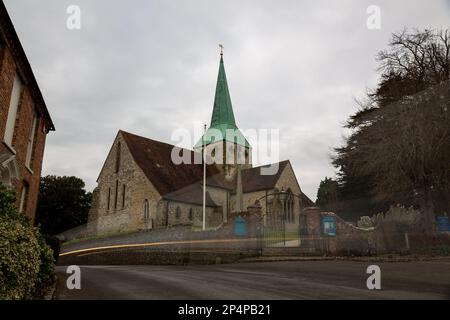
(223,109)
(192,194)
(222,120)
(154,158)
(253,180)
(307,202)
(182,182)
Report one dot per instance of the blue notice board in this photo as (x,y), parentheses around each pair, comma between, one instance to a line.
(442,224)
(329,226)
(240,227)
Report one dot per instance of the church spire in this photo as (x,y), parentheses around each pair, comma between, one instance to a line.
(223,109)
(222,117)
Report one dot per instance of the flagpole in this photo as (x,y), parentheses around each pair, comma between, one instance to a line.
(204,180)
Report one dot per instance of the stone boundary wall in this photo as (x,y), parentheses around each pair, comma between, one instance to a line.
(399,230)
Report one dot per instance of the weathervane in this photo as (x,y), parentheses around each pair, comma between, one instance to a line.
(221,49)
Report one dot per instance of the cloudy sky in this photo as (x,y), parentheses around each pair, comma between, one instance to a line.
(150,67)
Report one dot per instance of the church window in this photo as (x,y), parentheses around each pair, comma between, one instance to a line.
(191,214)
(178,213)
(146,209)
(123,196)
(118,157)
(290,206)
(116,194)
(109,197)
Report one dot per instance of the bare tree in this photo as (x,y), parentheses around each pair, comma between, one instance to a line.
(406,147)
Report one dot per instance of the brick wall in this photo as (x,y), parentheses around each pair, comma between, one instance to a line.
(22,130)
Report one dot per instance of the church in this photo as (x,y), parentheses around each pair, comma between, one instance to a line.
(141,188)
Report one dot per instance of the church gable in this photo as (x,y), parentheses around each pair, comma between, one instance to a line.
(254,180)
(121,179)
(287,179)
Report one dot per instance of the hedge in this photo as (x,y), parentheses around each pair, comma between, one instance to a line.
(19,260)
(26,262)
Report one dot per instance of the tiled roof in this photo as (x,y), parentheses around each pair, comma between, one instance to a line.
(183,182)
(154,158)
(306,201)
(253,180)
(192,194)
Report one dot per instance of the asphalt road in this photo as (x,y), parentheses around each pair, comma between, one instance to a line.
(261,280)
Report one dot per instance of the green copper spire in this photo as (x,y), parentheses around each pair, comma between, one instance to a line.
(223,109)
(222,117)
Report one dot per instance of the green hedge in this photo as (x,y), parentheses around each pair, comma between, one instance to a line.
(19,260)
(26,262)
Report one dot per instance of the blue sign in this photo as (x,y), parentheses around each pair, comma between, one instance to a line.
(442,224)
(329,226)
(240,227)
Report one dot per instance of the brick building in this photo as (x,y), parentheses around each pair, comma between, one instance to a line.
(140,186)
(24,120)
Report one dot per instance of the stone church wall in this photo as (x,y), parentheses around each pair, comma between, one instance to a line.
(128,214)
(219,196)
(179,214)
(287,181)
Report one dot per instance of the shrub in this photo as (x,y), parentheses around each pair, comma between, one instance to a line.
(26,262)
(47,261)
(19,260)
(7,209)
(55,244)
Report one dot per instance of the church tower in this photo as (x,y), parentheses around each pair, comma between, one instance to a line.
(224,143)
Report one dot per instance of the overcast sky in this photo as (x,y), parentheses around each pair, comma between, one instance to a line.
(150,67)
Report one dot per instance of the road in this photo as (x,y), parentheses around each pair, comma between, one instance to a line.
(261,280)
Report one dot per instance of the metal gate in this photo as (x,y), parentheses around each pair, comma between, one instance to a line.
(282,224)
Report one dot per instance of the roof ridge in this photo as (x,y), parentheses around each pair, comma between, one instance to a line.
(266,165)
(158,141)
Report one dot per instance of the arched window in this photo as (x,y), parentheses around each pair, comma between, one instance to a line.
(146,210)
(191,214)
(290,205)
(178,213)
(109,198)
(123,196)
(116,194)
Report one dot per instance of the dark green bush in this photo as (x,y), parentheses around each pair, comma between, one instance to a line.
(7,209)
(26,262)
(19,260)
(47,260)
(55,244)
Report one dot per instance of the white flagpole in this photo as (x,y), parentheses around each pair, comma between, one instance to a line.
(204,180)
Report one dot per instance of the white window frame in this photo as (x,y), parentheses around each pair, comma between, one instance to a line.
(23,198)
(31,138)
(14,102)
